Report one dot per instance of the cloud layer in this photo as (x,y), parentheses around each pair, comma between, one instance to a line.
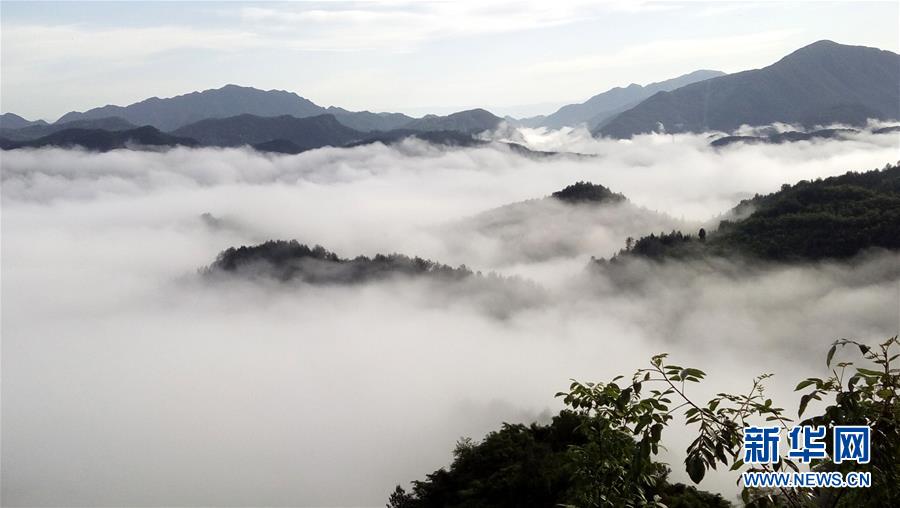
(128,380)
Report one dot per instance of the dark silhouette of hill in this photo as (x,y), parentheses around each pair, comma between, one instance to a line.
(282,134)
(14,121)
(366,121)
(886,130)
(36,131)
(615,100)
(819,84)
(784,137)
(101,140)
(292,133)
(291,260)
(531,465)
(587,192)
(169,114)
(836,217)
(279,146)
(471,121)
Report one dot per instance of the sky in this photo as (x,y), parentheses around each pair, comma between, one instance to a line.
(519,58)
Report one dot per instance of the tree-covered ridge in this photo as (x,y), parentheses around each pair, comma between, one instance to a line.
(536,466)
(291,260)
(836,217)
(587,192)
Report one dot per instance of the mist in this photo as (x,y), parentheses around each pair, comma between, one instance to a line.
(128,379)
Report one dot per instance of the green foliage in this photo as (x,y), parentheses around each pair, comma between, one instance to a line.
(646,413)
(288,260)
(517,466)
(551,465)
(861,396)
(601,451)
(837,217)
(586,192)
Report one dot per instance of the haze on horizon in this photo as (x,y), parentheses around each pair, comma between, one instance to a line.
(407,57)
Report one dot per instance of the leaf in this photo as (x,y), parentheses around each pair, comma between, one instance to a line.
(804,384)
(737,465)
(830,355)
(804,401)
(695,468)
(694,373)
(656,432)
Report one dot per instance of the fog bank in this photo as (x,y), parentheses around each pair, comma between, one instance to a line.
(129,380)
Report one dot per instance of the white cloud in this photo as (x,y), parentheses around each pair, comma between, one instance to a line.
(129,381)
(402,25)
(25,45)
(692,50)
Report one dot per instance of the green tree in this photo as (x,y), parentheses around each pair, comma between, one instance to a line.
(860,396)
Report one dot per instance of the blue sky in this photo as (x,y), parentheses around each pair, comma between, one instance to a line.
(518,58)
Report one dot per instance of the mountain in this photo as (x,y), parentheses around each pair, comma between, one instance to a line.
(580,220)
(607,104)
(301,133)
(291,260)
(587,192)
(472,121)
(785,137)
(366,121)
(832,218)
(281,134)
(102,140)
(14,121)
(39,130)
(534,465)
(819,84)
(230,100)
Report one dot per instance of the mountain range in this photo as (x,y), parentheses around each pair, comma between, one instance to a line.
(819,84)
(232,100)
(102,140)
(608,104)
(14,121)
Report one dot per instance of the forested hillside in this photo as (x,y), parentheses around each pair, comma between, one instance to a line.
(836,217)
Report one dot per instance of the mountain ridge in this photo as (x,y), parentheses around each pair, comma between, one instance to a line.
(819,84)
(611,102)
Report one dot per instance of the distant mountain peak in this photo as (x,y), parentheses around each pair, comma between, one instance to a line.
(170,113)
(600,107)
(818,84)
(14,121)
(470,121)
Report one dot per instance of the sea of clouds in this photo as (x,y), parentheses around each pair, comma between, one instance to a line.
(130,380)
